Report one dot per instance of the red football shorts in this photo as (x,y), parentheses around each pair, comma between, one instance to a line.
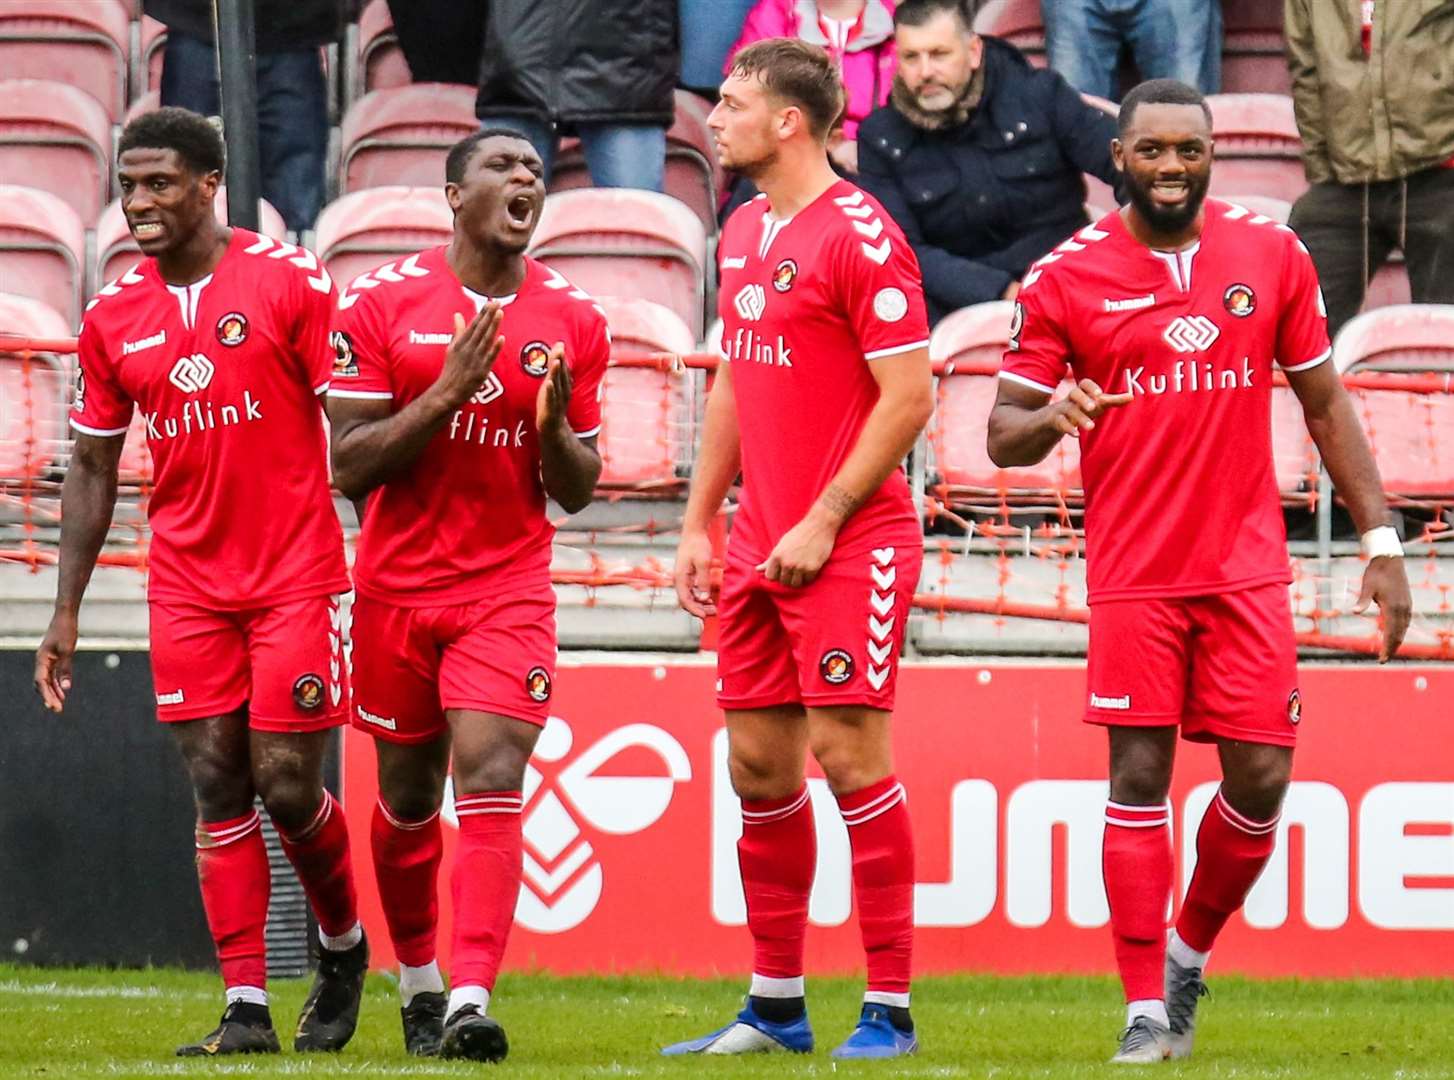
(285,662)
(834,642)
(1223,667)
(410,664)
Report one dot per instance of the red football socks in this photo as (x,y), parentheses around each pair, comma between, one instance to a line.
(232,868)
(777,855)
(1231,851)
(1137,867)
(319,853)
(485,884)
(406,863)
(883,885)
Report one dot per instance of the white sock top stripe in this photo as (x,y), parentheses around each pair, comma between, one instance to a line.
(1126,808)
(221,837)
(883,798)
(320,819)
(874,809)
(399,823)
(1243,823)
(765,817)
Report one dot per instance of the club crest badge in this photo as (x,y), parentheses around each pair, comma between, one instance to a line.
(232,329)
(308,692)
(1239,300)
(535,359)
(836,667)
(537,684)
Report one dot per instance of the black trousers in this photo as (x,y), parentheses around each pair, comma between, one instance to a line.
(1329,219)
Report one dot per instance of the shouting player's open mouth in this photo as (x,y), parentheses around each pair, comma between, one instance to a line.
(520,210)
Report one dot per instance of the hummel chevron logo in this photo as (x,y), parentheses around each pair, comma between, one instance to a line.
(871,231)
(855,199)
(883,556)
(881,630)
(860,212)
(883,579)
(880,653)
(878,254)
(876,676)
(302,258)
(881,603)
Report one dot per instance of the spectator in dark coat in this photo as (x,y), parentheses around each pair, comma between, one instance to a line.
(292,96)
(978,156)
(604,70)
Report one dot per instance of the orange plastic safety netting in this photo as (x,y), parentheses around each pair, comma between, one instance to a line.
(1004,571)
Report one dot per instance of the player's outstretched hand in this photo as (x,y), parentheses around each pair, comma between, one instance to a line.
(693,574)
(800,554)
(554,396)
(472,353)
(53,661)
(1079,410)
(1386,584)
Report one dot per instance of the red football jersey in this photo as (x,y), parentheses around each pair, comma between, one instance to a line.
(807,302)
(227,373)
(467,518)
(1181,498)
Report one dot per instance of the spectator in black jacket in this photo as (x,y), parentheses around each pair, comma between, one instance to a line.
(292,97)
(978,156)
(604,70)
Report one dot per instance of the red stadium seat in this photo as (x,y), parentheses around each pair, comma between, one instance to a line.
(624,242)
(150,101)
(1390,285)
(1408,432)
(645,413)
(42,249)
(977,336)
(1254,51)
(116,251)
(56,138)
(380,58)
(1258,146)
(84,45)
(153,51)
(400,135)
(33,391)
(1017,21)
(692,174)
(359,231)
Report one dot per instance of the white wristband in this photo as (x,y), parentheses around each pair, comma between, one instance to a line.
(1382,541)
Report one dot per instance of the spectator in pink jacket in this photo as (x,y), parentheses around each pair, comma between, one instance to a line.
(858,34)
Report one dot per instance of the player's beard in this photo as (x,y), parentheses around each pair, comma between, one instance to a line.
(758,167)
(1167,219)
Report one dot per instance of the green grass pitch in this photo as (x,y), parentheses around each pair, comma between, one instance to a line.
(90,1023)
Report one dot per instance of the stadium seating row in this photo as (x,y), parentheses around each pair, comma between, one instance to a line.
(650,406)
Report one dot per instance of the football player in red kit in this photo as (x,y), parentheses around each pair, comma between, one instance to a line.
(1170,315)
(466,390)
(823,389)
(219,337)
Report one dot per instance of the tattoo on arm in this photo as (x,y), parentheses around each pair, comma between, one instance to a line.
(840,502)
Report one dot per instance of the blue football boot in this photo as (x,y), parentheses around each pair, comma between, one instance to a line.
(750,1034)
(876,1037)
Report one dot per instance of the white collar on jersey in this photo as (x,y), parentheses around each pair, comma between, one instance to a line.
(480,300)
(187,297)
(1179,264)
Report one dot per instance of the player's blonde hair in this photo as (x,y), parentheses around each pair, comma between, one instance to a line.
(799,73)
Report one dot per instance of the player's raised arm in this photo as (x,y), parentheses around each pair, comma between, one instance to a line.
(371,442)
(1025,424)
(719,460)
(88,498)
